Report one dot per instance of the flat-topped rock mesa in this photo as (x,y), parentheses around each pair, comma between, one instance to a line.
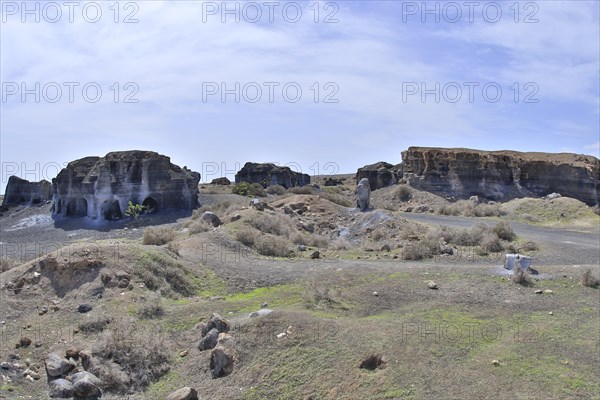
(101,187)
(495,175)
(270,174)
(21,191)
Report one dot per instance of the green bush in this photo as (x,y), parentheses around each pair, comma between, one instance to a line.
(249,190)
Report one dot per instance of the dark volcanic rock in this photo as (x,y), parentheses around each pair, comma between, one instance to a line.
(271,174)
(21,191)
(501,175)
(380,174)
(101,187)
(221,181)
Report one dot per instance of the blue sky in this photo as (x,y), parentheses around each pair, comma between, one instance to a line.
(374,58)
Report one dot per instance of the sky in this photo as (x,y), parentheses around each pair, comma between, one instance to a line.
(323,87)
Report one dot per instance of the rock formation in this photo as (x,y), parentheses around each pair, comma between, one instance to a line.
(101,187)
(380,174)
(363,194)
(271,174)
(501,175)
(492,175)
(21,191)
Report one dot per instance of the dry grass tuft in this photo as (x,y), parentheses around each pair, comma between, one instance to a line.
(588,280)
(158,235)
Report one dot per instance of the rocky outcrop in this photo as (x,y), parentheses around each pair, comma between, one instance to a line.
(493,175)
(21,191)
(363,194)
(271,174)
(501,175)
(380,174)
(101,187)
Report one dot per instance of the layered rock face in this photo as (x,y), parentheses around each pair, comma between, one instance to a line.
(271,174)
(21,191)
(380,174)
(501,175)
(101,187)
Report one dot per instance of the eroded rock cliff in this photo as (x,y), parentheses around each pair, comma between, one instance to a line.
(495,175)
(22,191)
(101,187)
(501,175)
(271,174)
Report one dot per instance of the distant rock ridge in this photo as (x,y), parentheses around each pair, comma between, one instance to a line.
(101,187)
(267,174)
(21,191)
(495,175)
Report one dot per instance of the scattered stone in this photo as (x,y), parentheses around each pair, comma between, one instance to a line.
(257,204)
(209,341)
(60,388)
(264,305)
(302,247)
(223,356)
(375,294)
(315,255)
(23,342)
(123,283)
(84,308)
(211,218)
(43,310)
(86,384)
(72,352)
(550,313)
(261,313)
(495,362)
(57,365)
(34,375)
(216,322)
(236,217)
(186,393)
(183,353)
(432,285)
(548,291)
(538,291)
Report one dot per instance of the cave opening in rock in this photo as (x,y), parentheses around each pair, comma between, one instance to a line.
(112,210)
(58,207)
(77,208)
(150,205)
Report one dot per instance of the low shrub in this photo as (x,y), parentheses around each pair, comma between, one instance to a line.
(504,231)
(247,236)
(276,190)
(402,193)
(588,280)
(7,264)
(302,190)
(273,246)
(158,235)
(127,359)
(520,277)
